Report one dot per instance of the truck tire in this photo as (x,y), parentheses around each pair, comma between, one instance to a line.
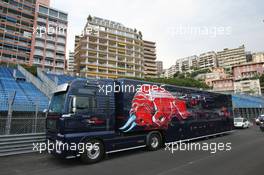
(95,154)
(154,141)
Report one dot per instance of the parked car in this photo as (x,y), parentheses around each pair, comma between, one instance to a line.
(241,122)
(257,120)
(261,123)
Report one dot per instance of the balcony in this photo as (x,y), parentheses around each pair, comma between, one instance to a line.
(39,53)
(42,20)
(130,74)
(49,46)
(60,49)
(61,40)
(39,44)
(60,58)
(60,65)
(50,54)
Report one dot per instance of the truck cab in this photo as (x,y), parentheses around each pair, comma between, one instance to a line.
(81,113)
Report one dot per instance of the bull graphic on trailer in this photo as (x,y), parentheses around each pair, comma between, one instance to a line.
(153,107)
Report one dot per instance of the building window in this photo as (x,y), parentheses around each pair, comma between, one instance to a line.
(53,13)
(43,10)
(63,16)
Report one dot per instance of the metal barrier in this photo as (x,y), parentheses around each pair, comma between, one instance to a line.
(19,144)
(22,123)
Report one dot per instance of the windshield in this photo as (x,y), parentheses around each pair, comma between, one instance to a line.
(238,120)
(57,102)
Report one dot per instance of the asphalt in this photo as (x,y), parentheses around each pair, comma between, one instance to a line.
(246,157)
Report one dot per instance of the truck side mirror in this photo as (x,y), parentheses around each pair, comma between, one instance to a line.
(73,104)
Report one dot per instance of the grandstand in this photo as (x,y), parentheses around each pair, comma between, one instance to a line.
(27,96)
(246,101)
(60,79)
(247,106)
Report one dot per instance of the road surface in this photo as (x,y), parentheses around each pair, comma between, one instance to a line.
(245,158)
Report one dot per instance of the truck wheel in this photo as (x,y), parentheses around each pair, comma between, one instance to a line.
(154,141)
(95,153)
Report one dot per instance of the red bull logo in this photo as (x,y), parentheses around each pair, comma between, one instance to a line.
(153,108)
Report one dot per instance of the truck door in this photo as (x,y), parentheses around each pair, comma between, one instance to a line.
(84,115)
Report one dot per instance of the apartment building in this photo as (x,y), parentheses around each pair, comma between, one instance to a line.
(251,87)
(207,60)
(150,65)
(171,71)
(33,33)
(186,64)
(231,57)
(16,28)
(258,57)
(223,85)
(76,41)
(208,78)
(49,41)
(109,49)
(159,68)
(248,71)
(71,63)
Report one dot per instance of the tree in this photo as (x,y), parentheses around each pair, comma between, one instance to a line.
(89,18)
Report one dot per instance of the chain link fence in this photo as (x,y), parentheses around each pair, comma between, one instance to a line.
(22,123)
(20,115)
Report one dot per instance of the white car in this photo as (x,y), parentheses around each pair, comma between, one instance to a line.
(241,122)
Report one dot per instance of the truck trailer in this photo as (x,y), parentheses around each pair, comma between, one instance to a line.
(117,115)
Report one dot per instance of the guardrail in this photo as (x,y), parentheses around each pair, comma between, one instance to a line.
(19,144)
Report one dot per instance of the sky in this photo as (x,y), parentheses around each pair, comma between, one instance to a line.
(180,28)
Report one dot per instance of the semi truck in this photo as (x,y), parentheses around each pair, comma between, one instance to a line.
(116,115)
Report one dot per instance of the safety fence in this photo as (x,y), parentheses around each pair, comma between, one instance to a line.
(20,143)
(22,123)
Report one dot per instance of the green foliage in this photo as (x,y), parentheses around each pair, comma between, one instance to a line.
(192,74)
(11,65)
(201,71)
(261,80)
(185,82)
(31,69)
